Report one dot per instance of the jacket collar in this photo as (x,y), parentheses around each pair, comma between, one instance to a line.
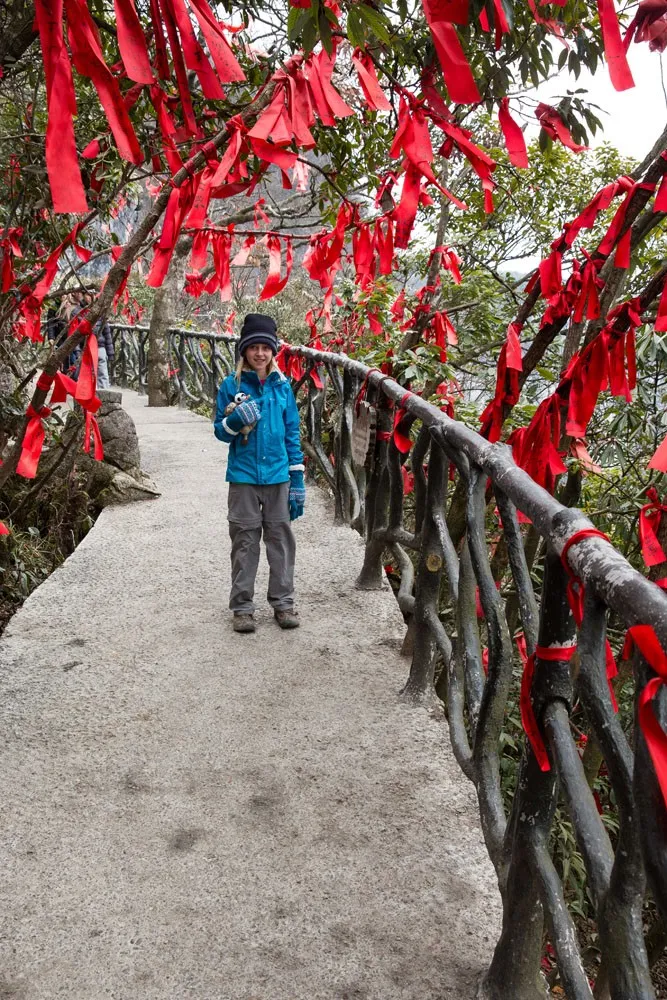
(253,377)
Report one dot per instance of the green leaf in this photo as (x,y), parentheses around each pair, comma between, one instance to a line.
(309,36)
(355,29)
(376,22)
(325,33)
(546,373)
(296,21)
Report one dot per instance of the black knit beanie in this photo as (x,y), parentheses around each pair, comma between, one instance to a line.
(258,329)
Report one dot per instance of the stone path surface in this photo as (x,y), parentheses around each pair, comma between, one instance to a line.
(188,813)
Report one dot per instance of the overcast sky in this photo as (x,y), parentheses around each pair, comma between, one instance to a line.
(636,117)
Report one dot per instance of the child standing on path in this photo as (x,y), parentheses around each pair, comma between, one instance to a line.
(257,416)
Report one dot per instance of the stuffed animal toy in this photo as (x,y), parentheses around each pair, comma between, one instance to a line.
(240,397)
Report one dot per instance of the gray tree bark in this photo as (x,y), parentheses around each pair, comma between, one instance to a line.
(162,317)
(17,35)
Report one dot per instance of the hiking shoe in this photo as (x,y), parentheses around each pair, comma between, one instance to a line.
(287,619)
(244,623)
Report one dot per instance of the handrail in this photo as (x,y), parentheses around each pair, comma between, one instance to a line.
(445,530)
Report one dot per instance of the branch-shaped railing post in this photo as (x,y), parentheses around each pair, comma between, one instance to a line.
(346,486)
(419,686)
(527,877)
(182,371)
(620,895)
(371,576)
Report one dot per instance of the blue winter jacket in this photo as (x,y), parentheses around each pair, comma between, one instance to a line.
(273,448)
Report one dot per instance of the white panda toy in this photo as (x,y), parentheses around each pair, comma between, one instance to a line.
(240,397)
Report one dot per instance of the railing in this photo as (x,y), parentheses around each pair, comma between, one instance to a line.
(438,539)
(198,361)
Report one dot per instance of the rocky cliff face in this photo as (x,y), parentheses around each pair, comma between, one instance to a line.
(118,478)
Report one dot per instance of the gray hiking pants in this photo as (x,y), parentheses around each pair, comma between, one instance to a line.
(253,510)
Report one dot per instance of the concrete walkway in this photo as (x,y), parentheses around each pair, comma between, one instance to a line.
(187,813)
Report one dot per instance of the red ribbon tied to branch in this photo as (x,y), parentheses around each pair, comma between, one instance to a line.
(649,25)
(33,441)
(62,165)
(10,249)
(274,283)
(455,67)
(92,425)
(401,440)
(449,260)
(644,637)
(515,142)
(553,124)
(650,517)
(528,719)
(619,71)
(507,384)
(375,97)
(535,447)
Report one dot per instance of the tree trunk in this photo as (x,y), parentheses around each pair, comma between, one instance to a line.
(17,34)
(164,311)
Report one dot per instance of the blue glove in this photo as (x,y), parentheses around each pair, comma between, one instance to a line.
(245,415)
(297,494)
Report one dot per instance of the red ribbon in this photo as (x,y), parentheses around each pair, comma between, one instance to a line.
(514,138)
(325,98)
(650,517)
(91,424)
(213,30)
(274,283)
(455,67)
(507,384)
(588,376)
(33,442)
(619,71)
(528,720)
(644,637)
(178,207)
(553,124)
(443,333)
(659,460)
(501,25)
(62,165)
(89,61)
(551,281)
(412,138)
(648,25)
(363,256)
(132,43)
(368,81)
(608,359)
(10,249)
(588,301)
(448,259)
(661,318)
(167,18)
(660,203)
(401,440)
(87,382)
(383,243)
(290,364)
(535,447)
